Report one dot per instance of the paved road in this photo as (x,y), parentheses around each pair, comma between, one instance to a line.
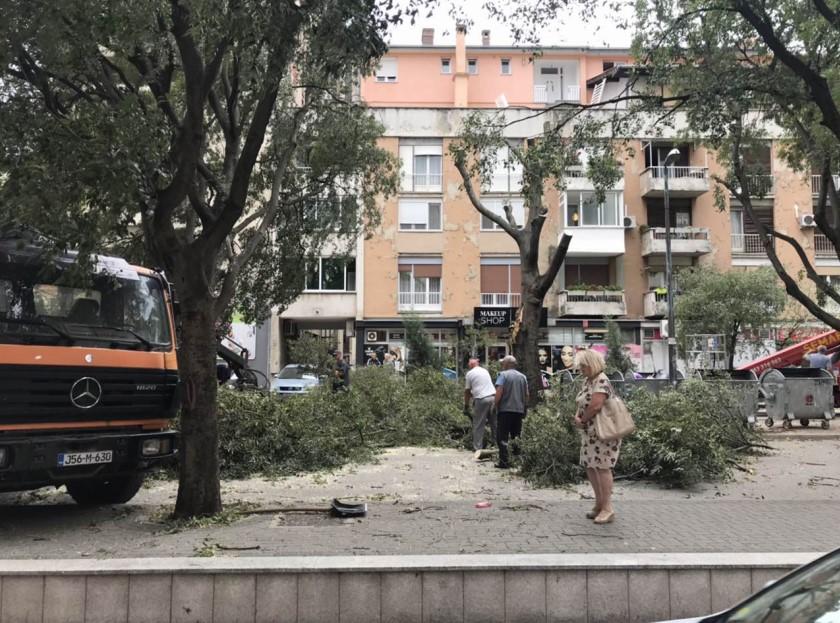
(423,502)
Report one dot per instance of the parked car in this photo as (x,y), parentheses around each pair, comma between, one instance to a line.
(294,379)
(811,593)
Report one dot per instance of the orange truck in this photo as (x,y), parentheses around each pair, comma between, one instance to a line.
(88,373)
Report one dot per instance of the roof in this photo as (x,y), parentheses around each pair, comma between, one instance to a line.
(602,51)
(621,70)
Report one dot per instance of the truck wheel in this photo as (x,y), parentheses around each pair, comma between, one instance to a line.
(825,424)
(769,422)
(117,490)
(804,422)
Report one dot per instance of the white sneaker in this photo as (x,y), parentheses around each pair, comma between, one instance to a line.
(477,455)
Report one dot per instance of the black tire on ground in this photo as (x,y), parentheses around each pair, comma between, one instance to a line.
(768,422)
(826,424)
(804,422)
(786,424)
(117,490)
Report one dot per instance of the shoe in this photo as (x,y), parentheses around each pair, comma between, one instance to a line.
(500,466)
(593,513)
(605,517)
(477,455)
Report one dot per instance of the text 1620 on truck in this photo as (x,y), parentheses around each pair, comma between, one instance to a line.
(88,373)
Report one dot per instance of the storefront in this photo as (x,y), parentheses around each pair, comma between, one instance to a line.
(375,338)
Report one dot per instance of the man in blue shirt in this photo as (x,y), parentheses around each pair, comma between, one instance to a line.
(511,405)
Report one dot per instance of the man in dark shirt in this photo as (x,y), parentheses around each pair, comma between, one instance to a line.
(341,373)
(511,403)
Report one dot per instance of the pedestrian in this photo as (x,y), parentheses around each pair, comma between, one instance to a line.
(479,387)
(511,404)
(341,373)
(820,359)
(596,456)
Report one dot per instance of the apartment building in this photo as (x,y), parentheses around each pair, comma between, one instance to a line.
(436,257)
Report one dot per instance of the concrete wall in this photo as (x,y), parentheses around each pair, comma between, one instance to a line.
(517,588)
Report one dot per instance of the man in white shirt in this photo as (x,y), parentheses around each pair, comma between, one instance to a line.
(480,387)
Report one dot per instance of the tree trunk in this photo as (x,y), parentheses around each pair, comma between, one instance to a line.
(525,346)
(198,488)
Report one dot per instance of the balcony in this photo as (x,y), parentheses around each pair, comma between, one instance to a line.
(656,304)
(761,186)
(501,299)
(682,181)
(542,95)
(425,183)
(689,241)
(592,303)
(747,244)
(419,302)
(823,248)
(816,183)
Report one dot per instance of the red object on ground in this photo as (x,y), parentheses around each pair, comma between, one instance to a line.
(793,355)
(483,505)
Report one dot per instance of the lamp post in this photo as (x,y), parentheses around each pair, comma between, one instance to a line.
(669,273)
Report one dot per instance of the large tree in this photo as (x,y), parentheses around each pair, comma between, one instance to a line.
(482,148)
(727,303)
(740,71)
(222,134)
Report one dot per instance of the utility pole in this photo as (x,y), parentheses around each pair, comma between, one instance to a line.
(669,274)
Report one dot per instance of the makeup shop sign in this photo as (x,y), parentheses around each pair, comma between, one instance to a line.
(501,317)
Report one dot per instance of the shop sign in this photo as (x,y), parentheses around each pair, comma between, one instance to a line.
(494,317)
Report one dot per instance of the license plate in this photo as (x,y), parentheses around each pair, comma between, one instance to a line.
(71,459)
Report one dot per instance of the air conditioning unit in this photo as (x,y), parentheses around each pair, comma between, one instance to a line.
(629,222)
(807,220)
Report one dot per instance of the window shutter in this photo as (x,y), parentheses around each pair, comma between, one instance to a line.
(427,270)
(413,212)
(407,168)
(494,279)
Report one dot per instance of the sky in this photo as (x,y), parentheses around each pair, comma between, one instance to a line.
(568,30)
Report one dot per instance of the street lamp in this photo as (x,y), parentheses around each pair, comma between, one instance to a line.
(669,273)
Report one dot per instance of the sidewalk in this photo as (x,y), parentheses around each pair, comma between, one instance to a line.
(423,502)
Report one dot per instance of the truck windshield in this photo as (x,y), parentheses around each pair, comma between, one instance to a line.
(35,308)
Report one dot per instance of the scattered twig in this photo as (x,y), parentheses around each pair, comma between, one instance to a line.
(524,507)
(819,464)
(603,536)
(231,548)
(418,509)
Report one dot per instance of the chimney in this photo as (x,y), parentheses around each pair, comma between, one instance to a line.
(485,38)
(428,37)
(461,77)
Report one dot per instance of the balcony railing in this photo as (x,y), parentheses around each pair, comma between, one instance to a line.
(816,183)
(571,93)
(823,247)
(427,181)
(656,304)
(761,185)
(747,244)
(675,173)
(592,303)
(501,299)
(682,181)
(419,301)
(684,241)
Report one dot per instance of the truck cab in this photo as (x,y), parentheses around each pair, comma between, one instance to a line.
(88,373)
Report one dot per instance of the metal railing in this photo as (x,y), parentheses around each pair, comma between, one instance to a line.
(748,244)
(592,296)
(816,183)
(570,94)
(823,246)
(698,173)
(419,300)
(501,299)
(761,185)
(681,233)
(427,180)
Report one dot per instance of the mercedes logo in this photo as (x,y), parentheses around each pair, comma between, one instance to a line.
(86,393)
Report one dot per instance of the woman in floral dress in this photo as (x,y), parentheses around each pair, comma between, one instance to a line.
(598,457)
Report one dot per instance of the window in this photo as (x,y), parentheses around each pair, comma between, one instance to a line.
(387,70)
(421,165)
(446,65)
(589,274)
(505,66)
(607,65)
(507,174)
(419,284)
(332,274)
(497,207)
(472,66)
(680,212)
(582,209)
(420,214)
(501,282)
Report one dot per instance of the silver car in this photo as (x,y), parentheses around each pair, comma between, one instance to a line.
(294,380)
(810,594)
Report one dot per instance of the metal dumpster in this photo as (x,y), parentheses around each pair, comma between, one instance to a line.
(798,393)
